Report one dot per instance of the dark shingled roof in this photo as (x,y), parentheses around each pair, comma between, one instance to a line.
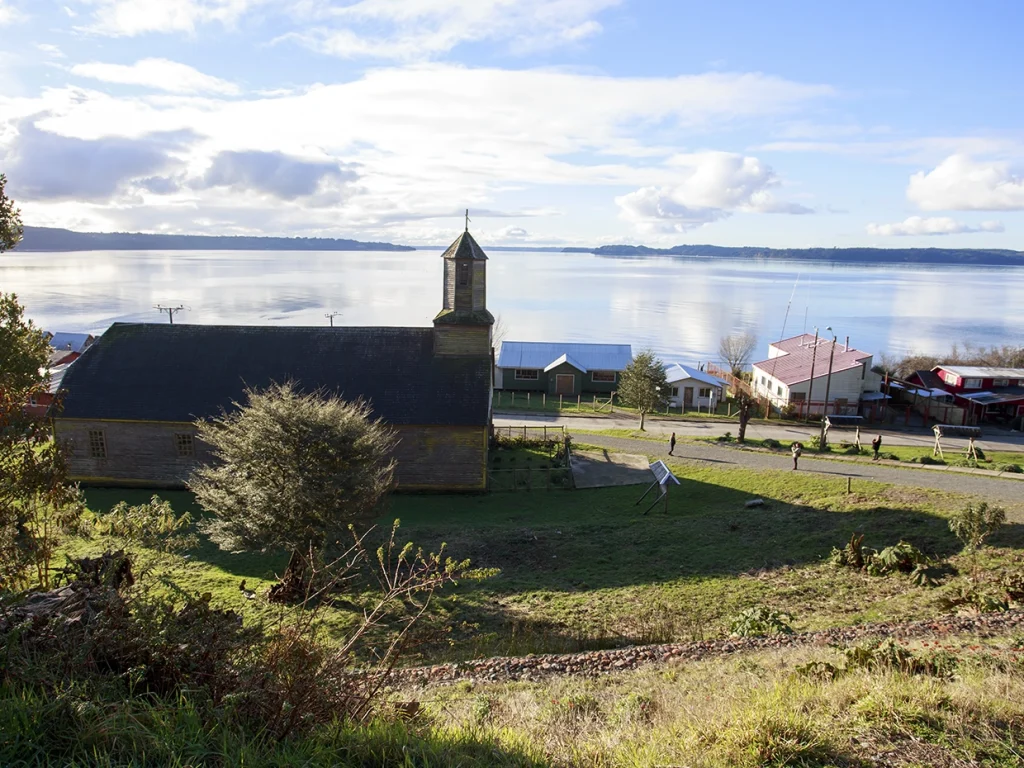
(930,379)
(163,372)
(465,248)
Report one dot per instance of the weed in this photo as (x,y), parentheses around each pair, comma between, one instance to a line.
(760,620)
(973,524)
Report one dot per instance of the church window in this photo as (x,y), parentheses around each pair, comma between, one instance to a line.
(463,273)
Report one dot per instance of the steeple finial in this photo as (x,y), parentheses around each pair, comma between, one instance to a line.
(467,219)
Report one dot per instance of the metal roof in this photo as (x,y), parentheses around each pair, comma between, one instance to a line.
(797,357)
(677,372)
(565,359)
(540,354)
(1007,395)
(982,372)
(70,341)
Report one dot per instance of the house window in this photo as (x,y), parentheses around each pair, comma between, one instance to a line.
(798,397)
(463,268)
(607,377)
(779,389)
(950,378)
(972,383)
(1000,382)
(675,391)
(527,374)
(185,444)
(704,392)
(32,400)
(97,444)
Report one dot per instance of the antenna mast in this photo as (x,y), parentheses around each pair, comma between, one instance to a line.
(331,315)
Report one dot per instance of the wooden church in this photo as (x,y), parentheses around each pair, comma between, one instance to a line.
(131,401)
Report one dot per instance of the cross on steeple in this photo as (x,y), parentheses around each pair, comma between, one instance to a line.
(467,219)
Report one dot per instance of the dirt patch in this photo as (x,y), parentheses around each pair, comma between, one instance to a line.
(603,469)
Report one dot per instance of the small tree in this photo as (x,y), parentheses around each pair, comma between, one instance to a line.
(736,350)
(642,384)
(744,403)
(10,220)
(293,471)
(973,524)
(37,505)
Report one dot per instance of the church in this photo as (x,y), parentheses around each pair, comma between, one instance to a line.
(132,399)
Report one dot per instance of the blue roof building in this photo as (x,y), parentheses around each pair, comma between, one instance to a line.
(568,369)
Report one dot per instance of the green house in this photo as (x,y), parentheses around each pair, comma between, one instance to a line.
(569,369)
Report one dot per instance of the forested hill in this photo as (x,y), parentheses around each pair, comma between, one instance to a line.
(48,239)
(974,256)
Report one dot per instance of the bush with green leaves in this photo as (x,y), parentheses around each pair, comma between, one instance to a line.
(760,620)
(771,443)
(930,461)
(975,523)
(1012,468)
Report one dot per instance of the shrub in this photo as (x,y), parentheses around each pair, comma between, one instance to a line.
(853,555)
(815,444)
(1014,468)
(930,460)
(902,557)
(888,456)
(975,523)
(771,443)
(726,438)
(759,621)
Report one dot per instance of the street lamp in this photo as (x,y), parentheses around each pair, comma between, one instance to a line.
(828,382)
(810,385)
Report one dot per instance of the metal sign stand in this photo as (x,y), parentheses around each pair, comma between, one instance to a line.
(663,478)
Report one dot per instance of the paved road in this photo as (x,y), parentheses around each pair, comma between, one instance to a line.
(1000,440)
(1002,490)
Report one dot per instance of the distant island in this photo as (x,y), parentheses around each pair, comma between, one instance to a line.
(974,256)
(50,239)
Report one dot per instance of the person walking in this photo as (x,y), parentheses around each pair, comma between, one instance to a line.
(796,449)
(672,444)
(876,446)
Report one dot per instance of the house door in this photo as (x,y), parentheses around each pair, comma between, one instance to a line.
(565,383)
(687,396)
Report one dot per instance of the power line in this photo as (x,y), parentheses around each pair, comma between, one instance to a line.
(171,311)
(331,315)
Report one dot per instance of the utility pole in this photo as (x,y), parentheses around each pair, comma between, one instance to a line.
(828,382)
(331,315)
(171,311)
(810,384)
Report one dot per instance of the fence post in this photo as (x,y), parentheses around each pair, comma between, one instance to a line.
(544,400)
(559,402)
(578,403)
(527,399)
(524,433)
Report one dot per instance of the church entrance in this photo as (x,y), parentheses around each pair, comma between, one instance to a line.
(565,384)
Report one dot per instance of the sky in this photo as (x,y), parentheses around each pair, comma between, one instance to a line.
(555,122)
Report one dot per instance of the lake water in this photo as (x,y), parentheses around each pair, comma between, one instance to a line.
(678,307)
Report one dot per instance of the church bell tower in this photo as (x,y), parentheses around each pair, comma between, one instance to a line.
(463,326)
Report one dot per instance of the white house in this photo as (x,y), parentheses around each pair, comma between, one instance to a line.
(797,373)
(693,388)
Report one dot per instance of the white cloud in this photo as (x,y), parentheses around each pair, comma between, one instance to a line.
(427,139)
(960,183)
(160,74)
(128,18)
(9,14)
(419,29)
(711,186)
(53,51)
(931,225)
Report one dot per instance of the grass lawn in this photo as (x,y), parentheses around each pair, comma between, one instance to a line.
(995,460)
(595,405)
(585,569)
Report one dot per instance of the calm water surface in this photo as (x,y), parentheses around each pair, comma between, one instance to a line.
(678,307)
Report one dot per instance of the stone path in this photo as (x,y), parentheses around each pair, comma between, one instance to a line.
(999,489)
(594,663)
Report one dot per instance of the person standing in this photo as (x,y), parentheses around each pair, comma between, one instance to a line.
(672,444)
(796,449)
(876,446)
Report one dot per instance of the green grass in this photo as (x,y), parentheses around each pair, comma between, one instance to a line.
(586,569)
(905,453)
(589,405)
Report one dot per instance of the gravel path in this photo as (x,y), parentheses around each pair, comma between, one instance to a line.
(594,663)
(1003,490)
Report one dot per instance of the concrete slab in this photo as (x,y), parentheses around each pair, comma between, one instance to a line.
(603,469)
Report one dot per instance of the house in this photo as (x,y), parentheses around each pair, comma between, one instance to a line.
(693,388)
(561,369)
(988,393)
(40,402)
(131,400)
(796,374)
(67,347)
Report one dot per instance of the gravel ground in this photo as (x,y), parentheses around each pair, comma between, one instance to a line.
(1004,490)
(594,663)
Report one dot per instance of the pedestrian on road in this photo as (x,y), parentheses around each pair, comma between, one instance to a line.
(876,446)
(796,449)
(672,444)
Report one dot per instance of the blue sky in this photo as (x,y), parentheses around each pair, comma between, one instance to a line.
(556,121)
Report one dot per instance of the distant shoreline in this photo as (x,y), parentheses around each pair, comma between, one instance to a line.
(51,240)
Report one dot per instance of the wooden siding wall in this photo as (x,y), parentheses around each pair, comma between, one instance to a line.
(145,454)
(472,296)
(138,453)
(442,458)
(479,285)
(462,340)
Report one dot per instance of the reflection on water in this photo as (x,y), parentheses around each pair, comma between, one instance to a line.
(678,307)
